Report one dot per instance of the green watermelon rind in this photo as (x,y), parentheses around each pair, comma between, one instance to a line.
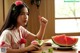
(63,45)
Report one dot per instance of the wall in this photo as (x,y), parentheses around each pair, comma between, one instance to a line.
(4,8)
(33,24)
(47,10)
(1,13)
(7,4)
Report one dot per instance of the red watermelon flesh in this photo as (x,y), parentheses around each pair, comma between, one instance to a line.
(59,39)
(63,40)
(71,41)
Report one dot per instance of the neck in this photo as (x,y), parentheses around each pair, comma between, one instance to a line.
(17,27)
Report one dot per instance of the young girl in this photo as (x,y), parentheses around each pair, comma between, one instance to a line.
(14,35)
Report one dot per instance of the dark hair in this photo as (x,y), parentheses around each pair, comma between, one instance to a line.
(11,20)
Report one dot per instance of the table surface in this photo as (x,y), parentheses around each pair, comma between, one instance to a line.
(45,48)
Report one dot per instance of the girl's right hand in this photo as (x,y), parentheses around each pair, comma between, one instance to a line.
(43,21)
(33,47)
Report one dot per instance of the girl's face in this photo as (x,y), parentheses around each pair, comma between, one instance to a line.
(23,17)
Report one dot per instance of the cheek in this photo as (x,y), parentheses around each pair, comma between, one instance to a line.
(19,20)
(27,17)
(22,19)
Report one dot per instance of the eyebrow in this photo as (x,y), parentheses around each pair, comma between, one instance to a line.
(24,12)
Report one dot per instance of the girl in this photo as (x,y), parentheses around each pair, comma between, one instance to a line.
(14,35)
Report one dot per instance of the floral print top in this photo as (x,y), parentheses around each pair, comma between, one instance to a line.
(13,38)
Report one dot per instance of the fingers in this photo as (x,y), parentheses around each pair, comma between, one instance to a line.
(37,47)
(43,20)
(33,47)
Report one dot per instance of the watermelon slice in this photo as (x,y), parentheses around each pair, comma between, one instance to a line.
(71,41)
(37,42)
(63,40)
(59,39)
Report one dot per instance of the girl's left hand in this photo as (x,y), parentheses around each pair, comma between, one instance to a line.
(43,21)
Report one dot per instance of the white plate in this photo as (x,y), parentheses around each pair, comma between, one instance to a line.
(63,48)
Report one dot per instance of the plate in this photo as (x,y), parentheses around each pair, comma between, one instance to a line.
(63,48)
(57,47)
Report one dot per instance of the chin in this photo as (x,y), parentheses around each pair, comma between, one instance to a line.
(25,24)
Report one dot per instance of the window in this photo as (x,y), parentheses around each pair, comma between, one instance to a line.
(67,16)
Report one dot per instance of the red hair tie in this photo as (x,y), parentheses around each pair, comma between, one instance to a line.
(17,3)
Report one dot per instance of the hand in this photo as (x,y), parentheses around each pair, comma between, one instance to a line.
(43,21)
(33,47)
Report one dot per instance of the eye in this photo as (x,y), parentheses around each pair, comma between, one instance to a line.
(21,13)
(24,13)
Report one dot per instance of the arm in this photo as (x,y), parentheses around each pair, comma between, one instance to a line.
(5,41)
(43,24)
(39,35)
(6,38)
(22,50)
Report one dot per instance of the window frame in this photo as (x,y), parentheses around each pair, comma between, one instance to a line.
(71,33)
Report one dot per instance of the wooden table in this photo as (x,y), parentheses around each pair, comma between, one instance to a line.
(45,48)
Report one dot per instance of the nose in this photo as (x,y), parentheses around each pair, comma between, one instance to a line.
(26,16)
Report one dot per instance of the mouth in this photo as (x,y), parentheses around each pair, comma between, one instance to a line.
(25,21)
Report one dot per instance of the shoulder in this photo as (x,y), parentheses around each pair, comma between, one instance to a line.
(23,29)
(5,32)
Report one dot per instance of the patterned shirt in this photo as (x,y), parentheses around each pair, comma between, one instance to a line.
(12,38)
